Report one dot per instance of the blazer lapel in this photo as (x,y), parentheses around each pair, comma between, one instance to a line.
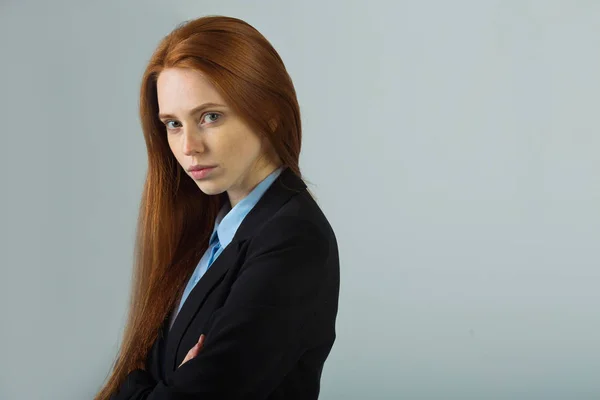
(195,300)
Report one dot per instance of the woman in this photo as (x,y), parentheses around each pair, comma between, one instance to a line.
(236,278)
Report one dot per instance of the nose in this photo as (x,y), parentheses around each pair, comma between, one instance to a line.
(192,141)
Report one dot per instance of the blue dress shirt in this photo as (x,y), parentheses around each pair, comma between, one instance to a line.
(226,224)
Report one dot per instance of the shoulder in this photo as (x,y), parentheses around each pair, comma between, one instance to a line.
(292,255)
(299,223)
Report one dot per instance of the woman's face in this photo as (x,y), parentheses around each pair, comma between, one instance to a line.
(202,130)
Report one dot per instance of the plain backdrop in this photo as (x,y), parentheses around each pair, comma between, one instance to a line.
(453,145)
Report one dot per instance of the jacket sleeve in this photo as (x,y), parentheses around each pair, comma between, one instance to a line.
(257,336)
(139,381)
(137,385)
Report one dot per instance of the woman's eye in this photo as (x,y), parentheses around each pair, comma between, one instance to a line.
(214,118)
(170,127)
(207,118)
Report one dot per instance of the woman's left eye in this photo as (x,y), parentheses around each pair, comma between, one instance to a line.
(169,126)
(214,115)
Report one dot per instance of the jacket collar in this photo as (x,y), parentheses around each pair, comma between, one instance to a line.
(283,188)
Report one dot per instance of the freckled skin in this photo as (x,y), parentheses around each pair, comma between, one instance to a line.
(212,136)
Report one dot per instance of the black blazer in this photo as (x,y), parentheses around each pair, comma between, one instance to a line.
(267,305)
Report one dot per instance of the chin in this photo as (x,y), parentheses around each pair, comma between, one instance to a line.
(210,188)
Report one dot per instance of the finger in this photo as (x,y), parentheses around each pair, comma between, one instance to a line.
(193,352)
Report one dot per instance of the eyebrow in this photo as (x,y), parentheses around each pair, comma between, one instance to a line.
(194,110)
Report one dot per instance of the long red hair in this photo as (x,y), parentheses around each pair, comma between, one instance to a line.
(175,217)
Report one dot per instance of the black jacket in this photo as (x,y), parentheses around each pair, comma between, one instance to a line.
(267,305)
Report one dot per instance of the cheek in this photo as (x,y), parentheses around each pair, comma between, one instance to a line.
(243,150)
(173,147)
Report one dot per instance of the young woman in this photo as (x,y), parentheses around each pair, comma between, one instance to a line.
(236,278)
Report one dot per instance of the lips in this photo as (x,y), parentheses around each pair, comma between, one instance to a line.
(199,167)
(203,172)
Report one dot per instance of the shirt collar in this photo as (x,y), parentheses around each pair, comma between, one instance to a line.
(229,219)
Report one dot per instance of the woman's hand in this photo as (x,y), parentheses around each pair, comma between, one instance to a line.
(194,350)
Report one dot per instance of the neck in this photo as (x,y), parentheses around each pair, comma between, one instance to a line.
(249,183)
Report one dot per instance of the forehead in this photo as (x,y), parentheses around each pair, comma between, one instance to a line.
(180,89)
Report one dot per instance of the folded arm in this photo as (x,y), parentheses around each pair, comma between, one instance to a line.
(256,336)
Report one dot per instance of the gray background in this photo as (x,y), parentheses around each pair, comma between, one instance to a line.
(453,145)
